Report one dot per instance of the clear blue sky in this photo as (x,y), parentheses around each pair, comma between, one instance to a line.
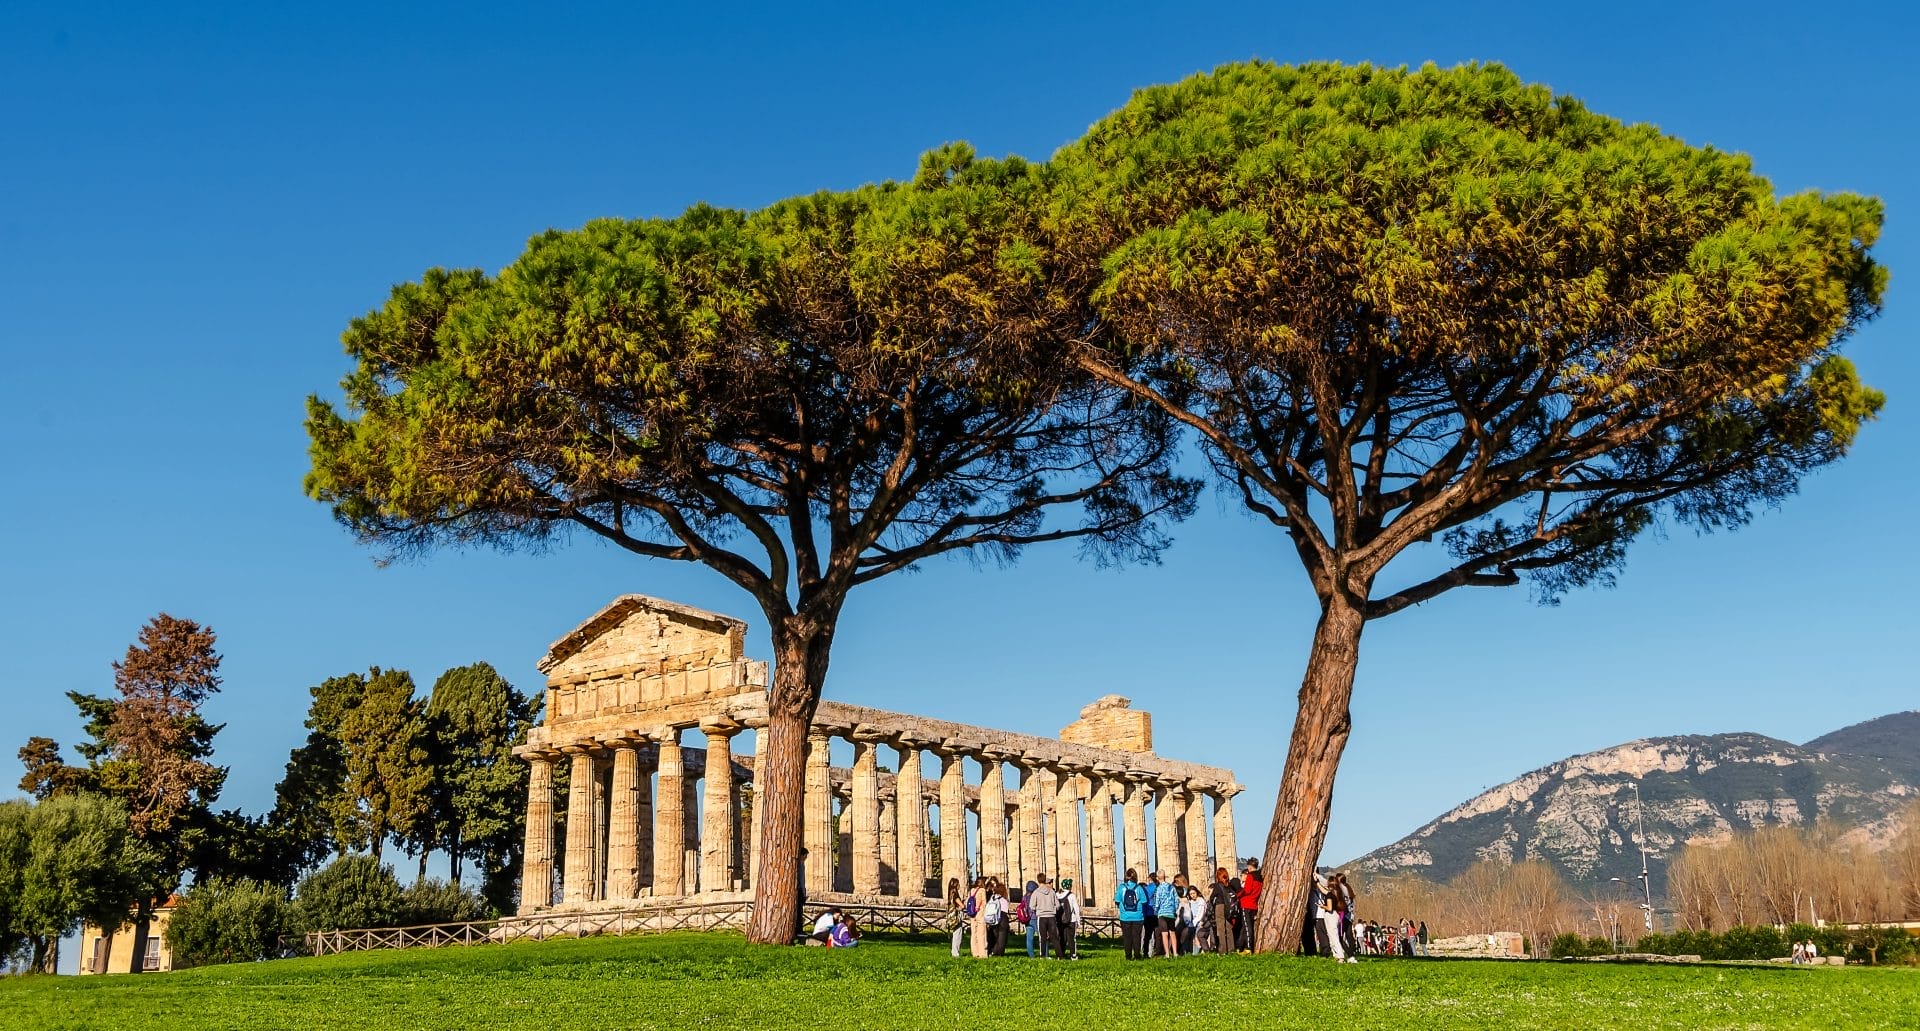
(194,200)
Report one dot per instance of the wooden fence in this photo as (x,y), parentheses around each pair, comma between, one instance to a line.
(701,916)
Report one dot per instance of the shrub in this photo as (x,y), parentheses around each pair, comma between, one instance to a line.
(1567,946)
(1599,947)
(432,901)
(228,921)
(350,892)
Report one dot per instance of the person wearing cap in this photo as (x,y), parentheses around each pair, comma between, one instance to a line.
(1250,884)
(1069,920)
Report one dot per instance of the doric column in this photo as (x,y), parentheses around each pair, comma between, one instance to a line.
(1066,834)
(1134,821)
(690,841)
(643,822)
(670,820)
(623,844)
(601,797)
(866,817)
(993,815)
(577,881)
(1034,798)
(910,816)
(536,864)
(717,822)
(1102,875)
(752,832)
(1199,865)
(1166,829)
(843,861)
(953,818)
(819,814)
(1224,845)
(889,843)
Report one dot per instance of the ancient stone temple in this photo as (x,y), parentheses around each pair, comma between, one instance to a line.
(648,706)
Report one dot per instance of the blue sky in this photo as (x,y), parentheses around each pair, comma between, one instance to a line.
(195,199)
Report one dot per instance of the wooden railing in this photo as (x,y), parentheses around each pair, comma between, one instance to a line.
(703,916)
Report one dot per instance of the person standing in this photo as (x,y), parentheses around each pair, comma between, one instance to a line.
(1025,914)
(1131,899)
(1422,939)
(1043,909)
(976,909)
(1224,900)
(999,916)
(956,917)
(1166,907)
(1069,919)
(1250,884)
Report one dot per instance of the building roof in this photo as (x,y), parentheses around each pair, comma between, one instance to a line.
(617,611)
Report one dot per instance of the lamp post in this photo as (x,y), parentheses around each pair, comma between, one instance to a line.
(1646,878)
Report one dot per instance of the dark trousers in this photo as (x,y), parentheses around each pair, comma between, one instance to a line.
(1132,933)
(1068,946)
(1047,935)
(1247,917)
(997,936)
(1183,939)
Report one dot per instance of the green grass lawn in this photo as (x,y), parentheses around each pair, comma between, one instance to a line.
(715,980)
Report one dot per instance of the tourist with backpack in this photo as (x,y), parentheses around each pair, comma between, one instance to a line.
(1069,918)
(1131,899)
(976,912)
(1043,909)
(1024,914)
(999,915)
(1223,904)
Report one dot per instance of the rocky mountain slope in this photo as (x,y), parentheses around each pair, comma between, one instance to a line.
(1579,813)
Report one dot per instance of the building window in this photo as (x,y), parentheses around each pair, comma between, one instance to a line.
(98,963)
(153,954)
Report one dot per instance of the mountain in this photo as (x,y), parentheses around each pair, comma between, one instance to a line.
(1580,815)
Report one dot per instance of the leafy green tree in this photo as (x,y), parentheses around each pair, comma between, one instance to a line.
(67,859)
(805,398)
(229,921)
(315,781)
(1447,306)
(474,719)
(348,893)
(383,749)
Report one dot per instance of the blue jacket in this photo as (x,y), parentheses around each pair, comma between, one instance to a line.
(1166,900)
(1142,898)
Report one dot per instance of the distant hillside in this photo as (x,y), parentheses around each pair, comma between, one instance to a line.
(1579,813)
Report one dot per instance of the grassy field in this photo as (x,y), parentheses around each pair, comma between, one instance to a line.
(715,980)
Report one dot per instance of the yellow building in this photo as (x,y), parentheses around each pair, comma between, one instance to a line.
(102,953)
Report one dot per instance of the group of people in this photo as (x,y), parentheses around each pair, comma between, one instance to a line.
(984,916)
(1171,916)
(835,929)
(1805,952)
(1333,930)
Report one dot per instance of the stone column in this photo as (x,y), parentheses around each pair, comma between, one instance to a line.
(717,823)
(1034,797)
(866,818)
(752,832)
(577,880)
(819,815)
(890,842)
(910,811)
(993,816)
(1066,835)
(690,811)
(1102,874)
(536,867)
(1166,830)
(601,775)
(670,820)
(623,844)
(843,850)
(953,819)
(643,822)
(1199,857)
(1225,848)
(1134,825)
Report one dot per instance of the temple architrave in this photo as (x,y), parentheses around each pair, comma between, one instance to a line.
(645,709)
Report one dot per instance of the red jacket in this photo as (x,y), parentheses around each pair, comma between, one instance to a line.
(1250,893)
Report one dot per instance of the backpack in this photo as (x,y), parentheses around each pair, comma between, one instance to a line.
(1025,913)
(1131,899)
(971,909)
(994,909)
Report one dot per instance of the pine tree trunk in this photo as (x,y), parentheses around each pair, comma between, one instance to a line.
(799,671)
(1306,784)
(142,921)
